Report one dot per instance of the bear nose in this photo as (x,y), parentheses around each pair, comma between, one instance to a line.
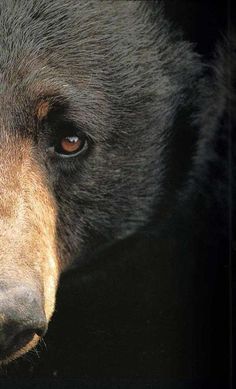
(21,317)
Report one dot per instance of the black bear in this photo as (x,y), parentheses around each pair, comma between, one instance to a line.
(114,156)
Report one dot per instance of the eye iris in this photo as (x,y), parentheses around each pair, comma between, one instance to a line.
(71,144)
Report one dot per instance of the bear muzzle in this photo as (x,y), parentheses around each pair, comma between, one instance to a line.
(29,264)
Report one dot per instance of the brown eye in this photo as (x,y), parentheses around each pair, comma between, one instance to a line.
(69,145)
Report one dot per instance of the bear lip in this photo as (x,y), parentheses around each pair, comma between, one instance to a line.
(18,342)
(13,355)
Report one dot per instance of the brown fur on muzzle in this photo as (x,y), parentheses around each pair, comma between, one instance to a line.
(27,227)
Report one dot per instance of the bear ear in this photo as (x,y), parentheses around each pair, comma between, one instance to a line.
(42,109)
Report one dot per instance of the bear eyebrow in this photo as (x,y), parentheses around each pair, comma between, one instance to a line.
(50,104)
(42,109)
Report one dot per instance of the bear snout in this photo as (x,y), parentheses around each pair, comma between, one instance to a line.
(29,269)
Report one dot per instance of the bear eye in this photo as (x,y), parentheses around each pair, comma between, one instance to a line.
(69,145)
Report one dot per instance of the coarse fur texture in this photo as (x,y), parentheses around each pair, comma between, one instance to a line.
(138,212)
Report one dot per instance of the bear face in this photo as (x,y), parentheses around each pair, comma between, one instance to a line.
(87,114)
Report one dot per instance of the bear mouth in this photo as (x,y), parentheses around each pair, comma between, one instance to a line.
(19,346)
